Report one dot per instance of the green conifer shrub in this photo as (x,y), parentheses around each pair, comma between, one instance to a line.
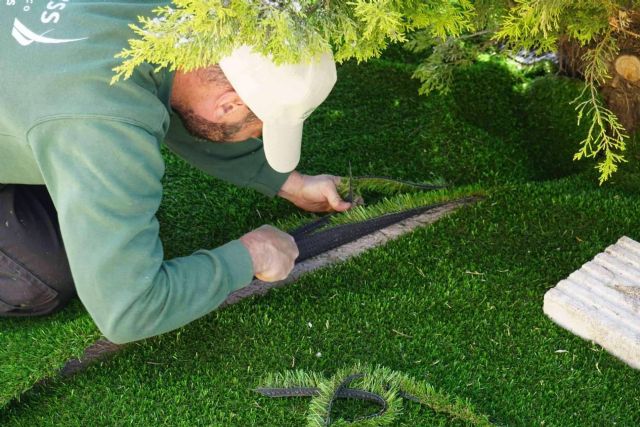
(195,33)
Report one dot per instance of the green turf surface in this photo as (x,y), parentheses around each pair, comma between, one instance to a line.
(198,211)
(31,349)
(480,336)
(461,308)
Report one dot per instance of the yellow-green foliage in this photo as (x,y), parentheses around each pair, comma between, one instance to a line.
(538,25)
(606,134)
(191,34)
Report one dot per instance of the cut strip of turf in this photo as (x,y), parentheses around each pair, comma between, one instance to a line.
(103,348)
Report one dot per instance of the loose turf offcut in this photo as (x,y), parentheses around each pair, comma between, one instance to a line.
(461,308)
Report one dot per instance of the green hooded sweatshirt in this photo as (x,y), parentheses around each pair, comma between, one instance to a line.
(97,149)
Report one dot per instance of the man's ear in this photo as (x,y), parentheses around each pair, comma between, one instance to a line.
(228,108)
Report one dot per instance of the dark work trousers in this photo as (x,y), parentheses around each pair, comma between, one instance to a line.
(34,271)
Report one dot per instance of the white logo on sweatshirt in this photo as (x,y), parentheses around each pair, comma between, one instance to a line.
(50,14)
(25,36)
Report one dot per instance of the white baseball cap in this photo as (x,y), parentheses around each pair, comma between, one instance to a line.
(281,96)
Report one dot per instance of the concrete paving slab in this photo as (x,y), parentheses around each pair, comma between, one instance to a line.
(600,302)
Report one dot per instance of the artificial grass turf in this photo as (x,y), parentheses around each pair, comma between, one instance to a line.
(198,211)
(461,307)
(31,349)
(375,120)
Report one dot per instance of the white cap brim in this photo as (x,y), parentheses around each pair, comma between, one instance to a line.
(281,96)
(282,145)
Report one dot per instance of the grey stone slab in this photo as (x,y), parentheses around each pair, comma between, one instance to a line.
(600,302)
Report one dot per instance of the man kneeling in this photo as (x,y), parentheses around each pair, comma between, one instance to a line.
(81,166)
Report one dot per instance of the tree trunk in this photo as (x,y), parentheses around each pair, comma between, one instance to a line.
(621,92)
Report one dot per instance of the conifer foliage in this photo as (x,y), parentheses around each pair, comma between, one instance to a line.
(195,33)
(597,26)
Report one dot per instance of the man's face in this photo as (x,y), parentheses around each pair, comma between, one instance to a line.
(211,109)
(242,126)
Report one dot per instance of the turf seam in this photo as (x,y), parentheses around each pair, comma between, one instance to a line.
(103,347)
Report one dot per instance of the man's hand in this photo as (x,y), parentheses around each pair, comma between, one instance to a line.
(272,251)
(314,193)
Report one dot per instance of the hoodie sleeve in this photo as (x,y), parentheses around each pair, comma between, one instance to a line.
(104,178)
(241,163)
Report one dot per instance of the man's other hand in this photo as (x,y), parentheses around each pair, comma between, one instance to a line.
(272,251)
(314,193)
